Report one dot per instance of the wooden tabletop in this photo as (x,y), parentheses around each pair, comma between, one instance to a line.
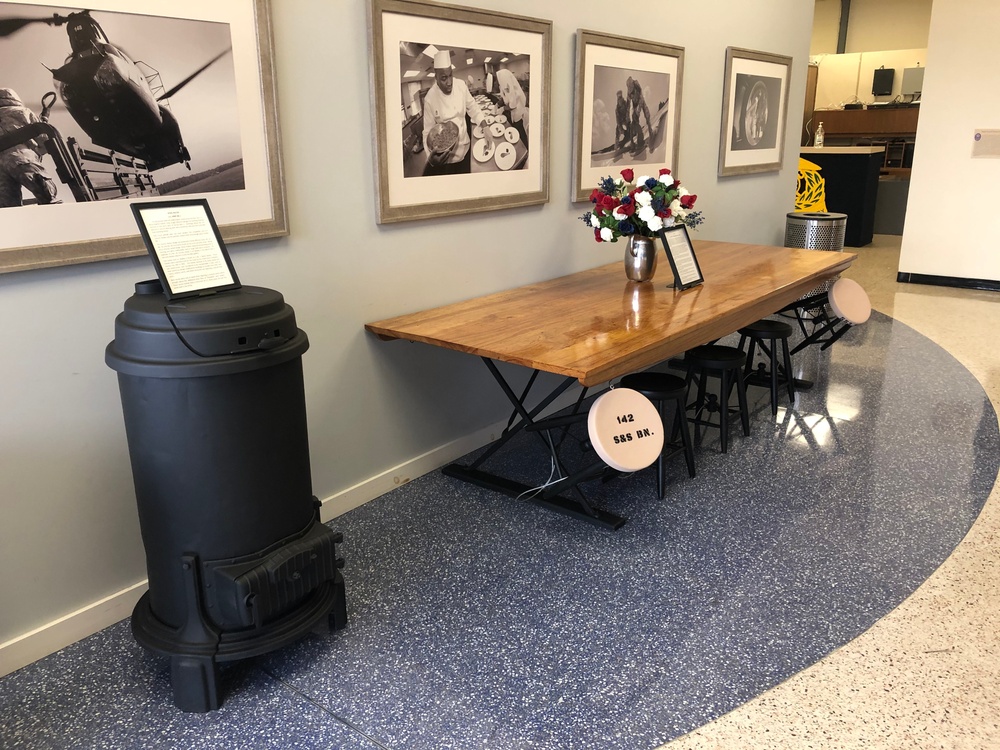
(596,325)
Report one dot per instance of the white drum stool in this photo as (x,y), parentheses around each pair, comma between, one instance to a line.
(848,302)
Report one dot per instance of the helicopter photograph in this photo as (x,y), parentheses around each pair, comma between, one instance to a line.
(155,93)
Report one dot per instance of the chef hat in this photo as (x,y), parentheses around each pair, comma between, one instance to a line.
(442,59)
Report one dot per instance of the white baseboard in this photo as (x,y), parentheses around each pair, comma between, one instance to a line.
(378,485)
(51,637)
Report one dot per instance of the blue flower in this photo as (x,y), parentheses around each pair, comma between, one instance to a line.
(586,218)
(608,185)
(625,227)
(651,183)
(626,200)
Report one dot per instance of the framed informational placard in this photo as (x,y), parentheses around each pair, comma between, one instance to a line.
(460,107)
(754,112)
(627,106)
(168,98)
(680,253)
(186,247)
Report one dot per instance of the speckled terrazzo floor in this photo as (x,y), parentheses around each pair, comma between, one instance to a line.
(480,621)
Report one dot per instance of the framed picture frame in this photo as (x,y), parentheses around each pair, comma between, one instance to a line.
(754,112)
(431,159)
(186,247)
(211,113)
(680,253)
(627,108)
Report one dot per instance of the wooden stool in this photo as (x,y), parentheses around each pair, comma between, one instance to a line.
(775,333)
(662,388)
(726,363)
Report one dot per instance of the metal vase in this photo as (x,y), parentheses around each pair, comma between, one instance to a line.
(640,258)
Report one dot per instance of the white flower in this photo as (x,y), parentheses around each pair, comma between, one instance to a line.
(667,179)
(606,234)
(669,221)
(655,223)
(641,180)
(617,213)
(682,191)
(646,213)
(675,206)
(643,198)
(594,221)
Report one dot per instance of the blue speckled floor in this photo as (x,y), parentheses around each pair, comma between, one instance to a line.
(478,621)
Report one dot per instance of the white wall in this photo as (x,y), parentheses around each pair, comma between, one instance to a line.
(848,77)
(68,528)
(952,220)
(872,25)
(887,24)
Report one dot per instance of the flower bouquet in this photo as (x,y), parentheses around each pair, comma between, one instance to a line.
(643,208)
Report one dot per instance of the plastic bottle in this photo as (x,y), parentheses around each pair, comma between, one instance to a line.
(819,136)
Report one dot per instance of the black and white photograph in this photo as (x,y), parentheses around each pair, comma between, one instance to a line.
(101,105)
(460,109)
(630,116)
(157,93)
(754,112)
(755,121)
(464,110)
(627,108)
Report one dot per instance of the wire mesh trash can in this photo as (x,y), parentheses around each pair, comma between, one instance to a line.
(816,230)
(214,406)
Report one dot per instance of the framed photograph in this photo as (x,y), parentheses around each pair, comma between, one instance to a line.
(120,102)
(186,247)
(627,106)
(754,112)
(460,106)
(680,253)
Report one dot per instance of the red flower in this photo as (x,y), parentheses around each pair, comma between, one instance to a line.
(609,203)
(627,208)
(663,172)
(597,234)
(688,200)
(628,175)
(594,195)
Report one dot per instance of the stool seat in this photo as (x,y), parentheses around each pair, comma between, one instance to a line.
(776,333)
(715,357)
(849,305)
(725,362)
(772,328)
(662,388)
(850,301)
(654,385)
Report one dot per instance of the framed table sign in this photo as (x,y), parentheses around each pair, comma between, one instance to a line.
(680,253)
(186,247)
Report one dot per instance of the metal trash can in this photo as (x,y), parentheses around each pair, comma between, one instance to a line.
(238,561)
(816,230)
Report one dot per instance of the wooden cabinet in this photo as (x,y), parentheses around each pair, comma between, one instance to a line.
(869,123)
(893,128)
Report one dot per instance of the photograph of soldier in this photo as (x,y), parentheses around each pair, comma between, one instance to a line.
(21,164)
(629,129)
(187,142)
